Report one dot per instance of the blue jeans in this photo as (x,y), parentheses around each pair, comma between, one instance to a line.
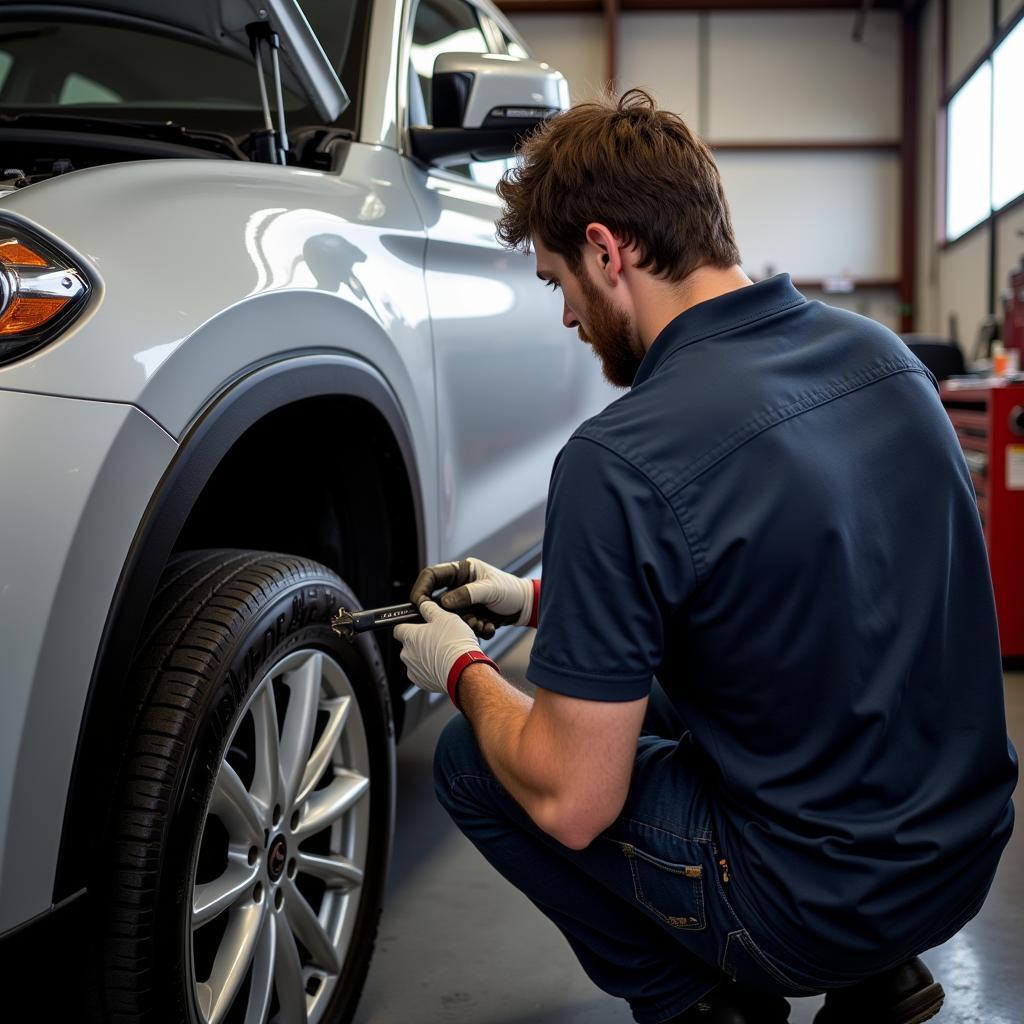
(645,907)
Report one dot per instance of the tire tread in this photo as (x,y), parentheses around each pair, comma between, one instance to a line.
(198,613)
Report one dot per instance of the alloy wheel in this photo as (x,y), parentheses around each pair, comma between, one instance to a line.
(277,878)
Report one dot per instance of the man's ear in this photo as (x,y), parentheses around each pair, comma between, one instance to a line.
(605,246)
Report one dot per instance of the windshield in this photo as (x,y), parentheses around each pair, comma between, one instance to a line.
(91,68)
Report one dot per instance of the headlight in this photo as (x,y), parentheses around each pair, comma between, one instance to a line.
(41,292)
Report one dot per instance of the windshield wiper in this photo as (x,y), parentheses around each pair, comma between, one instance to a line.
(160,131)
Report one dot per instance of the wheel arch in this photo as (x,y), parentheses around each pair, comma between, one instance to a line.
(224,444)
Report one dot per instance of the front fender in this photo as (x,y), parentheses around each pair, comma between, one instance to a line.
(209,438)
(178,246)
(78,476)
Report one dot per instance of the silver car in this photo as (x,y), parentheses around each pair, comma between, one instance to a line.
(261,356)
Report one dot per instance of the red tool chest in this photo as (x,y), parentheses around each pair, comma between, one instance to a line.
(989,419)
(1013,325)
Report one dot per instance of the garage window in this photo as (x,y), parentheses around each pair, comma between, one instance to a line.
(984,143)
(1007,136)
(969,154)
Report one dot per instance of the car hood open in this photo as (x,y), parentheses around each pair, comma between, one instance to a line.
(306,68)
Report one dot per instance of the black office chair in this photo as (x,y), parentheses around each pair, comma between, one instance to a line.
(942,356)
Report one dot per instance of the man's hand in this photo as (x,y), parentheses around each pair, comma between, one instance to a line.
(430,651)
(484,596)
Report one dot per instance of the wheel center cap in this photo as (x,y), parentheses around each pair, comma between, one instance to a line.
(276,858)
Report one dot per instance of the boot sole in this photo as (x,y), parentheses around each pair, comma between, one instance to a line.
(921,1006)
(915,1009)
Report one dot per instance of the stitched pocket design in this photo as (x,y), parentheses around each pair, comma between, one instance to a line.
(738,967)
(672,892)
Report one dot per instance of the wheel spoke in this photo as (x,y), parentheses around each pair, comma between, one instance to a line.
(291,990)
(310,932)
(335,872)
(321,756)
(233,804)
(330,803)
(299,722)
(233,958)
(266,782)
(262,986)
(213,898)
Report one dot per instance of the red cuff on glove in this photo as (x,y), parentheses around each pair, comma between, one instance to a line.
(459,667)
(536,603)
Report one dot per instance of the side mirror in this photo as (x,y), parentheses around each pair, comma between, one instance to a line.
(484,103)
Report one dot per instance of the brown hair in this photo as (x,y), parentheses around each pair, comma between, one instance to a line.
(628,165)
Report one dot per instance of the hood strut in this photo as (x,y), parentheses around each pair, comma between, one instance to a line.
(268,146)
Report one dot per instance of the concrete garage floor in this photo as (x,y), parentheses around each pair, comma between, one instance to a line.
(459,945)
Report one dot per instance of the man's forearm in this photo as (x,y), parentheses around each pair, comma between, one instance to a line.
(498,713)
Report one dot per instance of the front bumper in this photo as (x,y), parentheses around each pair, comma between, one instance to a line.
(75,480)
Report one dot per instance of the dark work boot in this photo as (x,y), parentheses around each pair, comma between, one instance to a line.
(733,1004)
(907,994)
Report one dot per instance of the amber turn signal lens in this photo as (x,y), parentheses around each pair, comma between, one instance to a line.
(17,254)
(29,314)
(42,291)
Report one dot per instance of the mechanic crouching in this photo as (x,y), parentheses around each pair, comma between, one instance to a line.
(776,524)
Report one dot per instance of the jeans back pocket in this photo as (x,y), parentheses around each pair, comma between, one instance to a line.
(744,962)
(672,892)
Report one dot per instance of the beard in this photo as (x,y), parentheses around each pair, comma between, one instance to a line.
(610,335)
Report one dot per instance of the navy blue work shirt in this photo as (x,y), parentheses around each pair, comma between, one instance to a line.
(777,522)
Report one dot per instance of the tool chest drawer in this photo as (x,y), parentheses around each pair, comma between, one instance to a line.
(988,417)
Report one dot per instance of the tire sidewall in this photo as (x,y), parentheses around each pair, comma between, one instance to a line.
(296,616)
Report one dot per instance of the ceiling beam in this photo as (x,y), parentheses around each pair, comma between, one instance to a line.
(862,20)
(909,170)
(611,27)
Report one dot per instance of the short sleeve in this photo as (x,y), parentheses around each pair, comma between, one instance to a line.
(616,566)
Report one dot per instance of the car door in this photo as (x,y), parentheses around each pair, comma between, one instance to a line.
(512,382)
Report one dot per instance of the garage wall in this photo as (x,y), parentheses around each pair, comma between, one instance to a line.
(661,52)
(1008,8)
(800,76)
(742,78)
(970,28)
(953,281)
(815,213)
(573,43)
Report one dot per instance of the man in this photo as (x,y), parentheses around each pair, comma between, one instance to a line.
(776,522)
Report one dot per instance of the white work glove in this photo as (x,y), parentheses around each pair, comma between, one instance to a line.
(484,596)
(436,653)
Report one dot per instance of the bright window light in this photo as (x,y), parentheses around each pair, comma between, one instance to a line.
(969,154)
(1007,127)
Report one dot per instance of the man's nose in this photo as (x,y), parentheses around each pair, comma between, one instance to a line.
(569,318)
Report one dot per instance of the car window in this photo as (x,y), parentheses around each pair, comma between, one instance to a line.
(108,64)
(79,89)
(136,73)
(440,26)
(489,172)
(446,26)
(514,48)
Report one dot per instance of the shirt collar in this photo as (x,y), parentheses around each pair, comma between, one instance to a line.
(733,309)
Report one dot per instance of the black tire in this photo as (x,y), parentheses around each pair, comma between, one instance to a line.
(219,621)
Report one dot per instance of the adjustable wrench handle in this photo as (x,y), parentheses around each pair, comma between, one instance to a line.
(348,624)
